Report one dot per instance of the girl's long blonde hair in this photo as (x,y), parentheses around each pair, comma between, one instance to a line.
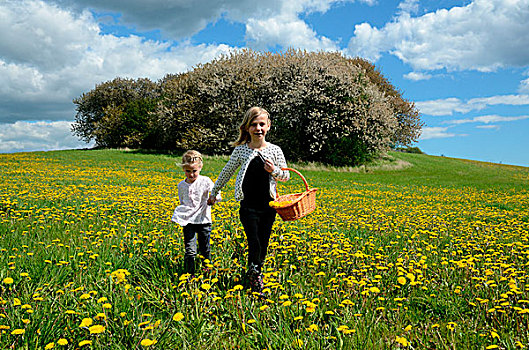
(249,116)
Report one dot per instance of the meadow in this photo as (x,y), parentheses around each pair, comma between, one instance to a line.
(431,255)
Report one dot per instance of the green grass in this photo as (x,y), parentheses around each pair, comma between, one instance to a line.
(411,251)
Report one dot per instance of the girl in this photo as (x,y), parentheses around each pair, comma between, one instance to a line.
(260,165)
(193,213)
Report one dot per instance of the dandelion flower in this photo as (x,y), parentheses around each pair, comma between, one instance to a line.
(313,328)
(8,280)
(96,329)
(49,346)
(18,331)
(402,341)
(178,317)
(401,280)
(147,342)
(85,342)
(86,322)
(62,342)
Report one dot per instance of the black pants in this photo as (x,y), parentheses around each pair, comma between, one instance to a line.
(257,224)
(192,233)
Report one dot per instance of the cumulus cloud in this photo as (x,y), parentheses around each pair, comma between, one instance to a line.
(182,19)
(436,133)
(449,106)
(38,136)
(483,35)
(52,55)
(285,31)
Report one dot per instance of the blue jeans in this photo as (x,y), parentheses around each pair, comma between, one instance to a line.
(257,224)
(192,233)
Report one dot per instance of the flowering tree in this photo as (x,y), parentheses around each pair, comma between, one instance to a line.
(325,107)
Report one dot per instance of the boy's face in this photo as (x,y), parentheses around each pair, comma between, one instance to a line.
(192,171)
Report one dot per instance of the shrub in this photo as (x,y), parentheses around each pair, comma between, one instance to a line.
(325,107)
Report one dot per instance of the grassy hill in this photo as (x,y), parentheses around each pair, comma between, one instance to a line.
(415,251)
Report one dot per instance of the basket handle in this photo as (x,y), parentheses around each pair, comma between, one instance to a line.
(302,177)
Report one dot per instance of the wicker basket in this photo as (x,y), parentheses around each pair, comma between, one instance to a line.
(301,203)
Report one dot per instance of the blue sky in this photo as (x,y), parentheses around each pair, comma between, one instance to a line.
(465,64)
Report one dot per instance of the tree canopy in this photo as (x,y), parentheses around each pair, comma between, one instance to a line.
(324,106)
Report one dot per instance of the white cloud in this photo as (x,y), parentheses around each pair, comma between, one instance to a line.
(496,127)
(409,6)
(487,119)
(416,76)
(440,107)
(451,105)
(52,56)
(484,35)
(38,136)
(435,133)
(286,31)
(182,19)
(524,86)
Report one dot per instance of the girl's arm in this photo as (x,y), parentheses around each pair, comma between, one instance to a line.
(227,172)
(277,173)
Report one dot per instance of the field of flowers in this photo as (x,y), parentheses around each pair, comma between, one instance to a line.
(392,259)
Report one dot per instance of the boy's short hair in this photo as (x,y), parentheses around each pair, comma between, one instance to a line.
(191,157)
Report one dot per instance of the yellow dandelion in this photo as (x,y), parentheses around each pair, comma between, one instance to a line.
(8,280)
(402,341)
(62,342)
(49,346)
(401,280)
(96,329)
(178,317)
(85,342)
(147,342)
(18,331)
(86,322)
(313,328)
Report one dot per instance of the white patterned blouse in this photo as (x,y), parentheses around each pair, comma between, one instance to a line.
(241,156)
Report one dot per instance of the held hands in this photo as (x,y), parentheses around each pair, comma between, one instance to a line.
(211,200)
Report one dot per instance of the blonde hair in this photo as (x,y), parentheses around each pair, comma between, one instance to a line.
(191,157)
(249,116)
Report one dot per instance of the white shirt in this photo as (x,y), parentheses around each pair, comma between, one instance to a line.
(193,208)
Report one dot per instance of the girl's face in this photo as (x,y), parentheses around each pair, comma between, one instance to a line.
(258,128)
(192,171)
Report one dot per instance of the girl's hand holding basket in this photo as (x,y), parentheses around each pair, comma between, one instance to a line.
(296,205)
